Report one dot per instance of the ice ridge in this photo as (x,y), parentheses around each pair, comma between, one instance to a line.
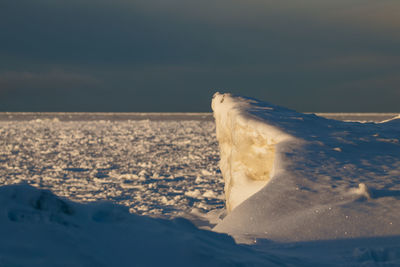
(297,177)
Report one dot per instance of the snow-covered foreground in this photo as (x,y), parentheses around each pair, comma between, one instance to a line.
(40,229)
(300,190)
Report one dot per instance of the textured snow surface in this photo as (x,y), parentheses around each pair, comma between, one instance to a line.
(41,229)
(163,168)
(323,179)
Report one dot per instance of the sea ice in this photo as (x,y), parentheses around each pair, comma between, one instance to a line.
(290,177)
(149,166)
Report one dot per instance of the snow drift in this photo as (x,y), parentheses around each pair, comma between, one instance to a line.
(41,229)
(299,177)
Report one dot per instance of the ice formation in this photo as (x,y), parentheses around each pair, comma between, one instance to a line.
(299,177)
(248,148)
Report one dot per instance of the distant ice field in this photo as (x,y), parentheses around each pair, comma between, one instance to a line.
(360,117)
(121,116)
(110,116)
(160,164)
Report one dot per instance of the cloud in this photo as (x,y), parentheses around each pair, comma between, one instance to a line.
(55,80)
(380,17)
(282,51)
(356,62)
(177,31)
(388,84)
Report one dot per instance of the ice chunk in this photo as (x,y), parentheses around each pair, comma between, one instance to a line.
(362,190)
(247,147)
(286,181)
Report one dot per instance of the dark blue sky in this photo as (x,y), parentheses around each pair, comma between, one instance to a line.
(172,55)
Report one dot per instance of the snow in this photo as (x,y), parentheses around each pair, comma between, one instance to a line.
(41,229)
(111,189)
(322,179)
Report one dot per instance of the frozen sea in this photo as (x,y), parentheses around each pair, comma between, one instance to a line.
(158,164)
(161,165)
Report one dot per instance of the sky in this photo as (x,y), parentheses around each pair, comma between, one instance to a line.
(172,55)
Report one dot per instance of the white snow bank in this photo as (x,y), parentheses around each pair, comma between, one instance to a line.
(40,229)
(299,177)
